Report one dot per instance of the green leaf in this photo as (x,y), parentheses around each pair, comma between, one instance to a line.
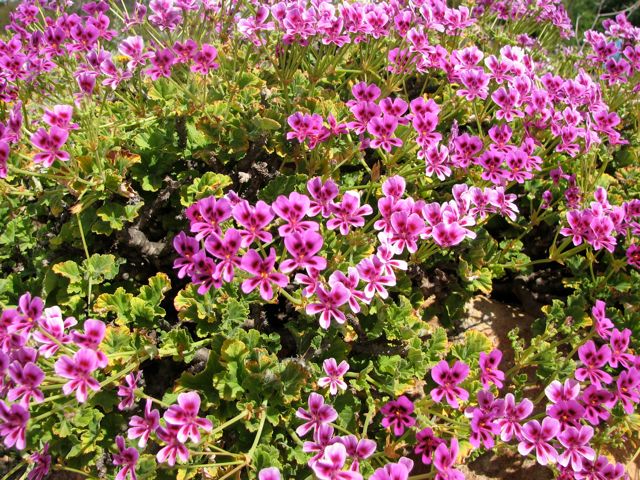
(70,270)
(210,184)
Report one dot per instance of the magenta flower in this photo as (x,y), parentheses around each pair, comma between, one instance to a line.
(322,437)
(426,444)
(318,414)
(323,195)
(328,304)
(4,157)
(334,376)
(537,436)
(507,100)
(449,234)
(372,271)
(292,210)
(593,360)
(226,250)
(133,48)
(143,427)
(444,459)
(619,342)
(94,331)
(406,230)
(174,448)
(357,449)
(448,379)
(51,143)
(127,390)
(211,212)
(255,220)
(394,471)
(558,392)
(78,370)
(303,248)
(250,28)
(603,325)
(397,414)
(593,399)
(383,128)
(513,414)
(26,378)
(489,371)
(271,473)
(127,458)
(576,443)
(204,59)
(41,464)
(187,248)
(628,392)
(483,428)
(263,273)
(475,83)
(53,326)
(330,466)
(350,281)
(185,416)
(310,280)
(60,116)
(13,425)
(348,213)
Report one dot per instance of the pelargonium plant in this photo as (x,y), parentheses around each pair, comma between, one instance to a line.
(245,240)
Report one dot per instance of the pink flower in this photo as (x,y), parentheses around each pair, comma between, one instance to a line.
(350,281)
(348,213)
(127,458)
(394,471)
(397,414)
(448,379)
(271,473)
(383,128)
(357,449)
(51,143)
(426,444)
(328,303)
(41,464)
(602,324)
(226,250)
(13,425)
(208,215)
(144,427)
(619,341)
(444,459)
(263,273)
(26,379)
(558,392)
(187,248)
(79,370)
(318,414)
(330,466)
(373,272)
(93,335)
(53,326)
(127,390)
(185,416)
(489,371)
(60,116)
(593,360)
(255,220)
(334,376)
(593,399)
(537,436)
(204,59)
(576,442)
(513,414)
(292,210)
(303,248)
(174,449)
(323,195)
(449,234)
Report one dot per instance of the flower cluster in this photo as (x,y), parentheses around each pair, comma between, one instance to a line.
(214,255)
